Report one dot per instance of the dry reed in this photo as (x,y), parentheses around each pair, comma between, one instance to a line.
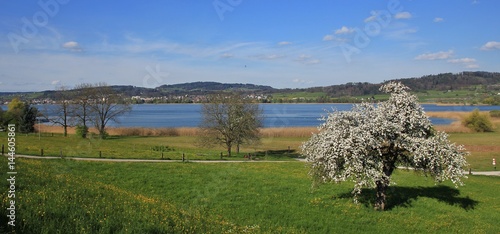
(288,132)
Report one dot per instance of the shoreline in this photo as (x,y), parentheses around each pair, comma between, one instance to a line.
(303,131)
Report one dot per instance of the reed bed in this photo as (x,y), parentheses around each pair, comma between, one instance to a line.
(288,132)
(457,115)
(184,131)
(137,131)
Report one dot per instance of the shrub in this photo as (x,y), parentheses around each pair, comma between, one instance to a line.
(81,131)
(495,113)
(478,122)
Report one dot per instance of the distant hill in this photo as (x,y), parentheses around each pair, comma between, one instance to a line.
(204,87)
(439,82)
(450,81)
(487,82)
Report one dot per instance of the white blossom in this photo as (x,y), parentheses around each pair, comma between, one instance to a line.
(366,144)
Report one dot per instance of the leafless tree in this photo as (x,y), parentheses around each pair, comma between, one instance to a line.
(80,107)
(106,105)
(63,111)
(229,119)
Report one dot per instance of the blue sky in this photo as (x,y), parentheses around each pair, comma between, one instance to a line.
(285,44)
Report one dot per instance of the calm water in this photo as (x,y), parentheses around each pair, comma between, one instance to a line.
(275,115)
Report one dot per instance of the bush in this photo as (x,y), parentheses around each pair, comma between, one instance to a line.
(478,122)
(82,131)
(495,113)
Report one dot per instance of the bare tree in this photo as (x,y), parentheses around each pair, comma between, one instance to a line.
(62,110)
(80,108)
(105,106)
(229,119)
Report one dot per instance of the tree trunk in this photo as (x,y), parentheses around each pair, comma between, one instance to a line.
(65,131)
(238,148)
(389,161)
(381,194)
(102,132)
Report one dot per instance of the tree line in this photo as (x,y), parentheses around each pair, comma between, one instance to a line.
(83,106)
(86,105)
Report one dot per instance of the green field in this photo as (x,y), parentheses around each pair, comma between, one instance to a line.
(483,147)
(136,147)
(65,196)
(471,95)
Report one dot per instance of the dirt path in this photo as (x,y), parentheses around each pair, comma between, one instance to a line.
(146,160)
(487,173)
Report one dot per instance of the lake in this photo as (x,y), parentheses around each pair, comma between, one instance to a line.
(275,115)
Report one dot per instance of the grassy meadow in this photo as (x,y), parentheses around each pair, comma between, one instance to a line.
(68,196)
(276,143)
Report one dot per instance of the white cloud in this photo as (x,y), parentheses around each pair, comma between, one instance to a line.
(282,43)
(373,17)
(328,38)
(269,56)
(491,45)
(344,30)
(438,20)
(462,60)
(401,34)
(227,55)
(435,56)
(472,66)
(466,62)
(55,82)
(72,46)
(307,59)
(403,15)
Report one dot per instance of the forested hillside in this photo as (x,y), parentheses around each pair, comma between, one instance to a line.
(440,82)
(464,87)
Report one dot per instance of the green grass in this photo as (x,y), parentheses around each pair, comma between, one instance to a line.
(463,96)
(147,147)
(483,147)
(65,196)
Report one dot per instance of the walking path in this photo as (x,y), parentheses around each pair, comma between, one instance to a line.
(487,173)
(145,160)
